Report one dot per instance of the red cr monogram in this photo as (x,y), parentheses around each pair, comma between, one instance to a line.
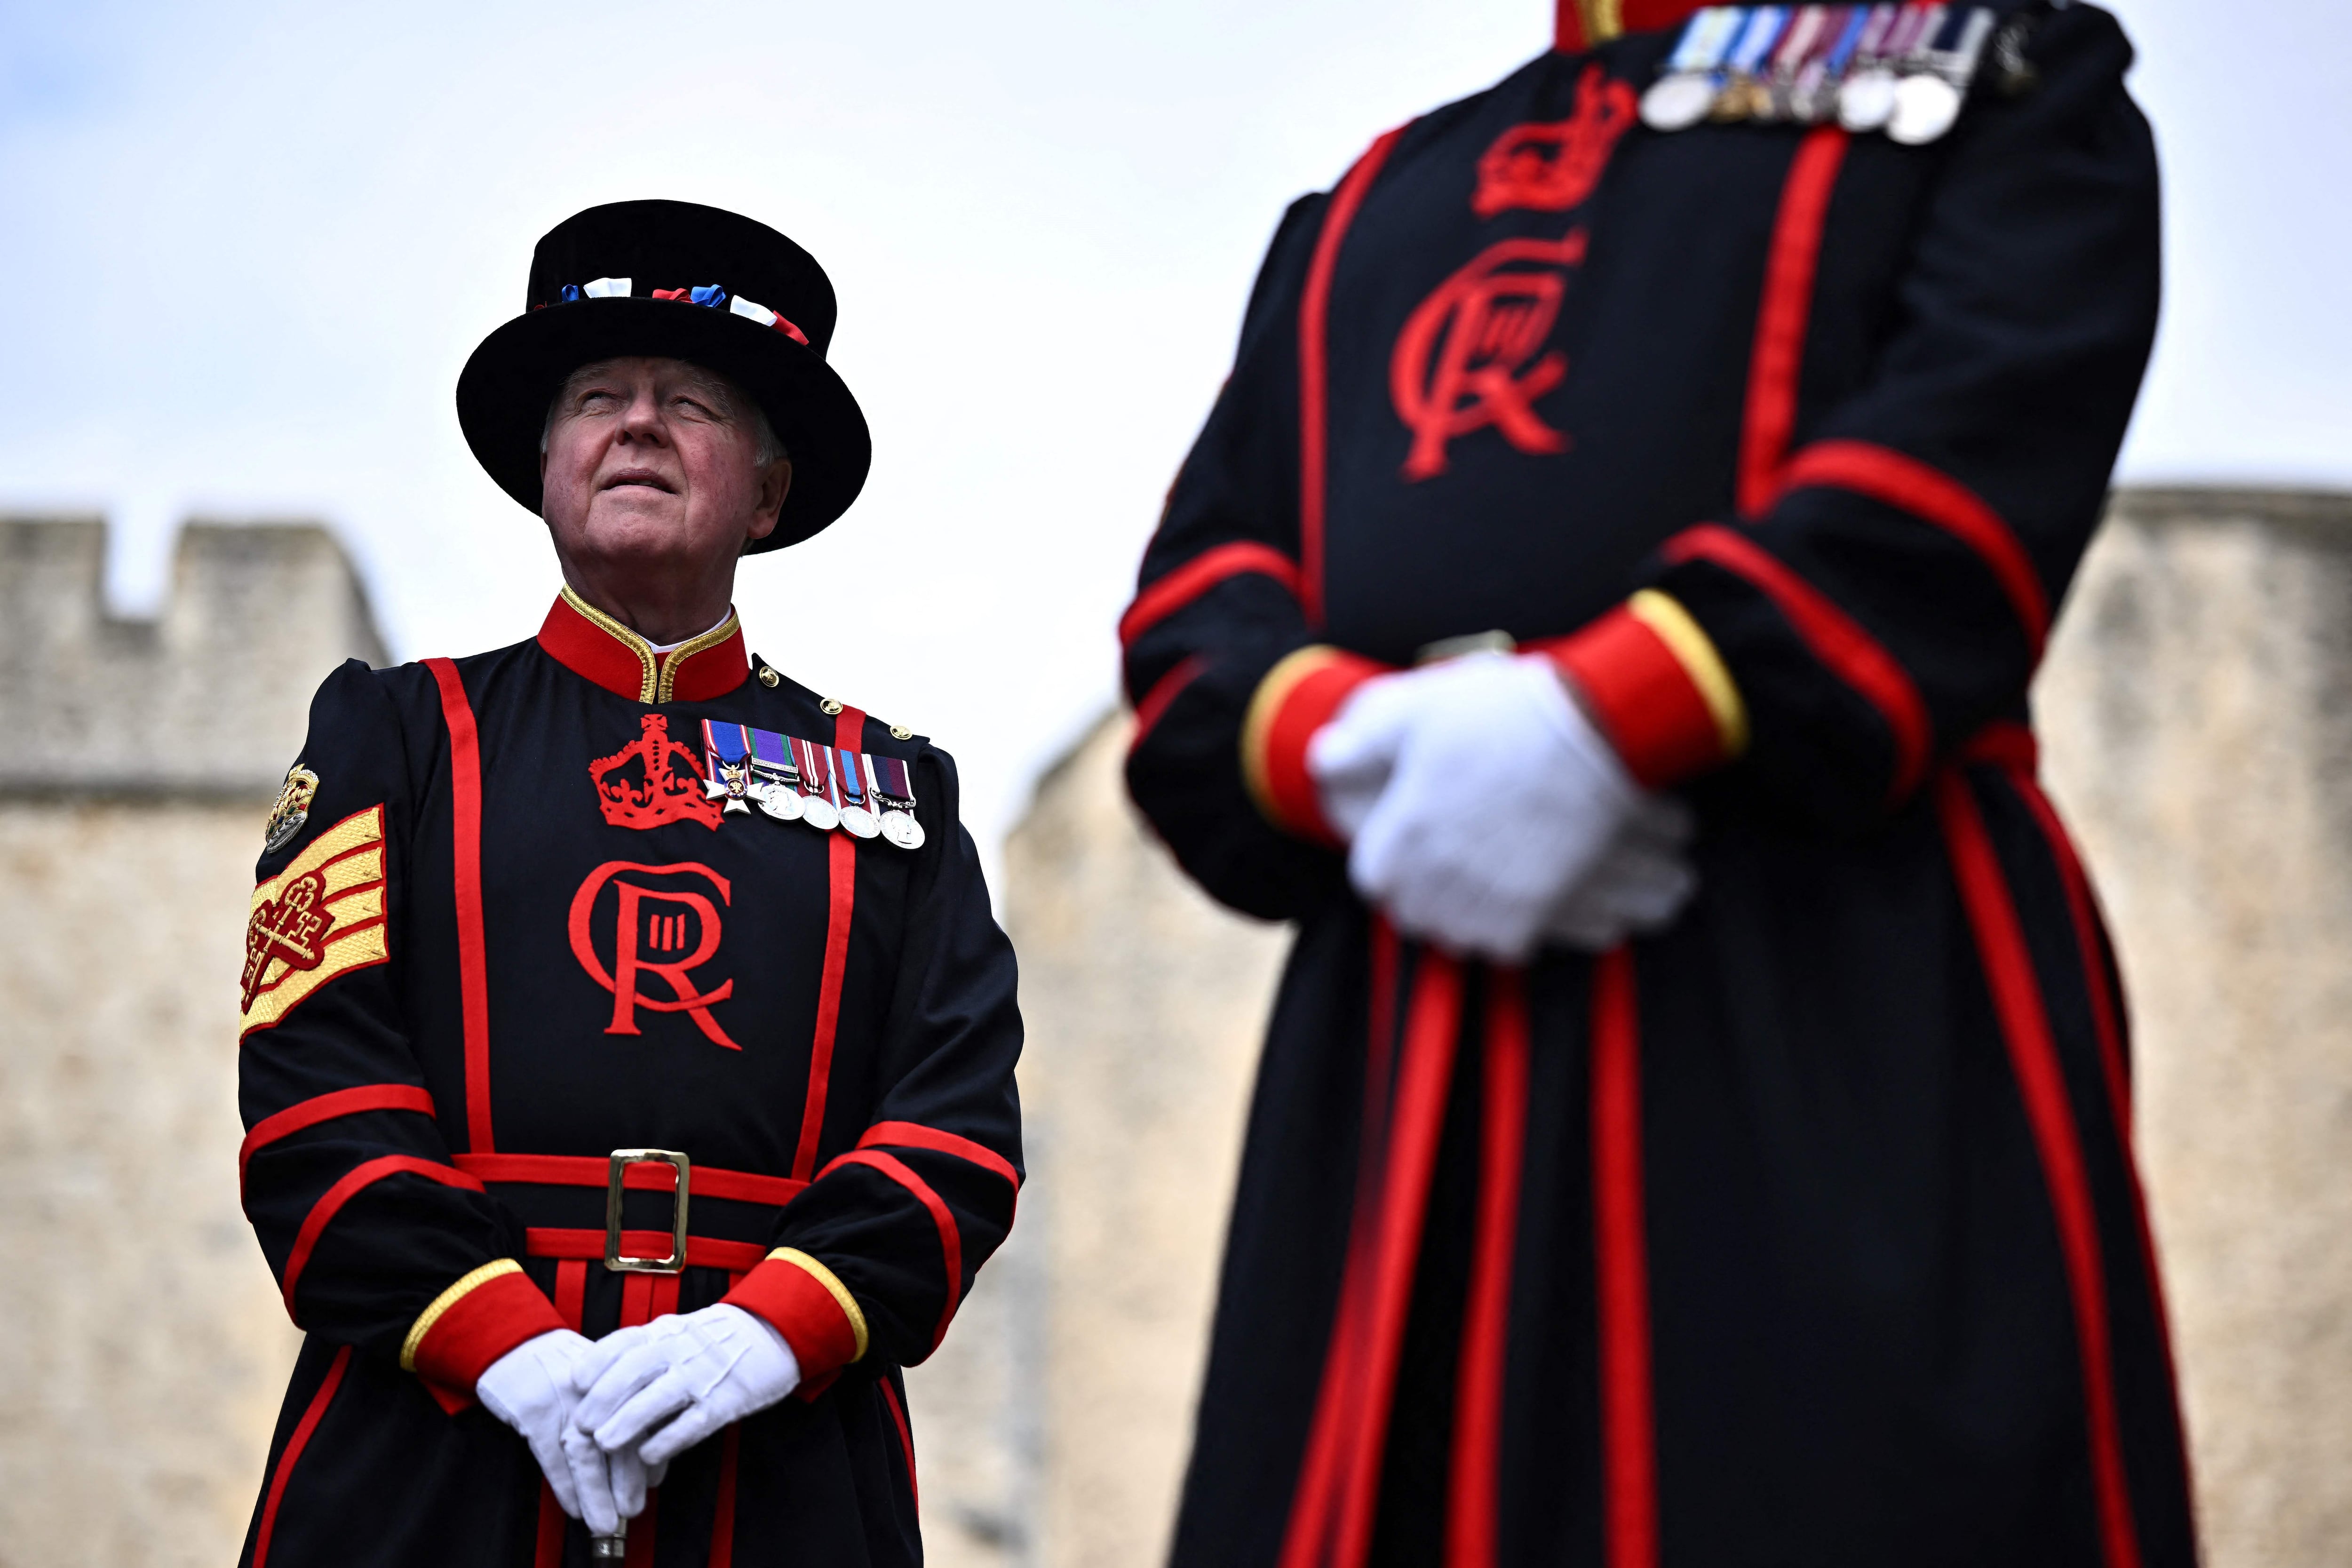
(653,928)
(1461,362)
(1553,167)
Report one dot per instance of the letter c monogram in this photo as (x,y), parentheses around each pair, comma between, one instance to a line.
(650,921)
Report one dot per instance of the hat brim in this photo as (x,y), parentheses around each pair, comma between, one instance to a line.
(505,386)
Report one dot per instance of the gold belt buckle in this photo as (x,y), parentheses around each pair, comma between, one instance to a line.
(621,1160)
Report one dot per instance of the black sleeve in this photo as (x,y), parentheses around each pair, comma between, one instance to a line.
(905,1220)
(1217,606)
(346,1177)
(1895,595)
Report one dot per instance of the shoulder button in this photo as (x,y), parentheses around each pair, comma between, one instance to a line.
(769,677)
(829,706)
(900,733)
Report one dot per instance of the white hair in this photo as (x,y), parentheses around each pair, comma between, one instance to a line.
(738,406)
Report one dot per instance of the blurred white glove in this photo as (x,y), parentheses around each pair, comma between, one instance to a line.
(698,1371)
(532,1389)
(1498,798)
(1638,886)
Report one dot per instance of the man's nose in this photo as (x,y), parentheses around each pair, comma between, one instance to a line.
(641,421)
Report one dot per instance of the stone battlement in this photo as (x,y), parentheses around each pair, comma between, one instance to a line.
(210,698)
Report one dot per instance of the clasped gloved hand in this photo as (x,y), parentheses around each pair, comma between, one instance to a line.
(654,1391)
(532,1388)
(1486,813)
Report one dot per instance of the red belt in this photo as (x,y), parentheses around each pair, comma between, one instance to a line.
(638,1170)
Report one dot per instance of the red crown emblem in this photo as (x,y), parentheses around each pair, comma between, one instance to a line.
(1552,167)
(659,789)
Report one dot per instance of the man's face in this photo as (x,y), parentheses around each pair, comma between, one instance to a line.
(649,463)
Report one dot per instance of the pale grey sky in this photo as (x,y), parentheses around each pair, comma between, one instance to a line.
(247,246)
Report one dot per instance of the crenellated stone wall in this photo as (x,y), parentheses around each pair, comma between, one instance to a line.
(145,1348)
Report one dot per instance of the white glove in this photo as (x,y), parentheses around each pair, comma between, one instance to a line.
(1499,798)
(1638,886)
(532,1388)
(706,1369)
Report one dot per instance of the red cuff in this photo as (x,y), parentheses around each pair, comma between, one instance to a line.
(1656,687)
(475,1321)
(1298,697)
(804,1301)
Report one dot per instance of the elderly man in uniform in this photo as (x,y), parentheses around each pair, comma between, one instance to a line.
(1599,611)
(616,980)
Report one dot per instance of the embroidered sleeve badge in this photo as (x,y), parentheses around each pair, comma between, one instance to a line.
(321,917)
(292,810)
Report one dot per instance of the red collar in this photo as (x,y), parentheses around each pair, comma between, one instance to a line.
(1586,23)
(586,641)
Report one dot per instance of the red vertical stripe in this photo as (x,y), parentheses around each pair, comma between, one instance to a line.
(465,832)
(1782,314)
(1335,1396)
(312,1415)
(643,1532)
(1314,311)
(849,731)
(722,1514)
(2106,1022)
(1471,1531)
(1433,1029)
(637,1300)
(547,1550)
(1629,1462)
(2042,1086)
(571,1292)
(906,1440)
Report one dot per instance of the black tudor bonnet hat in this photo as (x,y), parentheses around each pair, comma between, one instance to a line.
(681,281)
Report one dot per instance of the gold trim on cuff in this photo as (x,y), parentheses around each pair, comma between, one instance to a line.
(831,1282)
(689,648)
(647,664)
(447,1299)
(1695,652)
(1264,708)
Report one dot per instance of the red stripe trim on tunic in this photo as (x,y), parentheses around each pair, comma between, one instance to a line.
(906,1440)
(596,1171)
(1314,309)
(1777,361)
(1335,1393)
(1471,1521)
(702,1251)
(1167,595)
(312,1415)
(1614,19)
(1935,498)
(327,1107)
(546,1551)
(2041,1086)
(1433,1031)
(331,1200)
(1162,695)
(1629,1457)
(2106,1023)
(841,872)
(571,1290)
(1849,653)
(915,1135)
(722,1515)
(465,832)
(950,1238)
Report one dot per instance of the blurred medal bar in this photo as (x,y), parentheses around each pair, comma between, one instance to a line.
(894,791)
(1743,97)
(1681,97)
(858,819)
(1867,97)
(1807,33)
(1928,100)
(1812,98)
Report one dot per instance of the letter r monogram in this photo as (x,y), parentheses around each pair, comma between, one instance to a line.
(630,962)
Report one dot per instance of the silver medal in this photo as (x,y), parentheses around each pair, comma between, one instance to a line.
(901,828)
(1866,99)
(859,822)
(819,813)
(1923,108)
(1677,103)
(780,802)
